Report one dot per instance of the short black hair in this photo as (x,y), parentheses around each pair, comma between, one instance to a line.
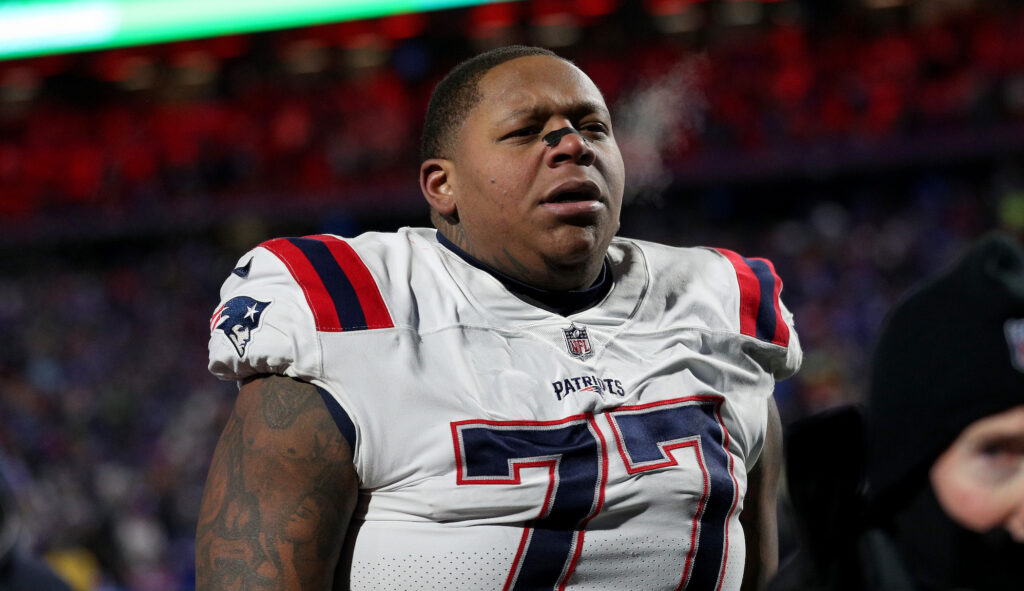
(456,94)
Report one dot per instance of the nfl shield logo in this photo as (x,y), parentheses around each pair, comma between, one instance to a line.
(1014,330)
(577,341)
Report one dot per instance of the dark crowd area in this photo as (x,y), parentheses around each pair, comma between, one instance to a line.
(859,150)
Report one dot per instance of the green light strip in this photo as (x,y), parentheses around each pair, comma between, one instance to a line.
(59,26)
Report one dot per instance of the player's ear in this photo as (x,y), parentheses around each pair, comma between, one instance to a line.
(435,182)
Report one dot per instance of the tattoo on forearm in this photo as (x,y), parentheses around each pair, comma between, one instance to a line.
(275,506)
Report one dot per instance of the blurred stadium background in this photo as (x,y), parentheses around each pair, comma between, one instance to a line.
(857,143)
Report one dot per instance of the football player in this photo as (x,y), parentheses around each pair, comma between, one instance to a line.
(516,399)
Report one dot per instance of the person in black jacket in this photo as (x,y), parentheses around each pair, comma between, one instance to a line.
(923,488)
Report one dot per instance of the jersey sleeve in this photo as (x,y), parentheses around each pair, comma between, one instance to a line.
(282,297)
(280,304)
(263,323)
(760,314)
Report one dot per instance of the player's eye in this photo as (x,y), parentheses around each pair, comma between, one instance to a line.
(523,132)
(594,127)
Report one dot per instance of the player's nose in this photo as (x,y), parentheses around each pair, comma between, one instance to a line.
(567,145)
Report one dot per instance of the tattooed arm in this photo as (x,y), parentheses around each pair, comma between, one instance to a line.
(279,494)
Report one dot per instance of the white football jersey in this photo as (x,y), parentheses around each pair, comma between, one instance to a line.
(502,446)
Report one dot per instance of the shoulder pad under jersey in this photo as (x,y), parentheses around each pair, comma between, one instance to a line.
(753,300)
(282,294)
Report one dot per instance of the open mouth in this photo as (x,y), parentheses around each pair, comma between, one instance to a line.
(574,199)
(572,196)
(574,192)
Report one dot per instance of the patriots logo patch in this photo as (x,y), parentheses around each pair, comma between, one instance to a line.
(238,319)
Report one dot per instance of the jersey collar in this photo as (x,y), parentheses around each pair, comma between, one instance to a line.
(563,303)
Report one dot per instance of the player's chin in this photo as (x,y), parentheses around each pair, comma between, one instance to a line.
(573,245)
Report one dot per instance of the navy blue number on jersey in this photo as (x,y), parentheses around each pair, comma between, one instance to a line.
(648,437)
(494,452)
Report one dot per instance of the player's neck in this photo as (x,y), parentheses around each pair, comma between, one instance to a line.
(563,302)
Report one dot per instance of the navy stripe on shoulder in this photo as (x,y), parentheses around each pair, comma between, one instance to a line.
(336,282)
(766,307)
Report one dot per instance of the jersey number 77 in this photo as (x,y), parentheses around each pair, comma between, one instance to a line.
(574,452)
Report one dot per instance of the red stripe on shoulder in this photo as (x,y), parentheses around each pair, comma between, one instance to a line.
(781,336)
(367,291)
(320,303)
(750,292)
